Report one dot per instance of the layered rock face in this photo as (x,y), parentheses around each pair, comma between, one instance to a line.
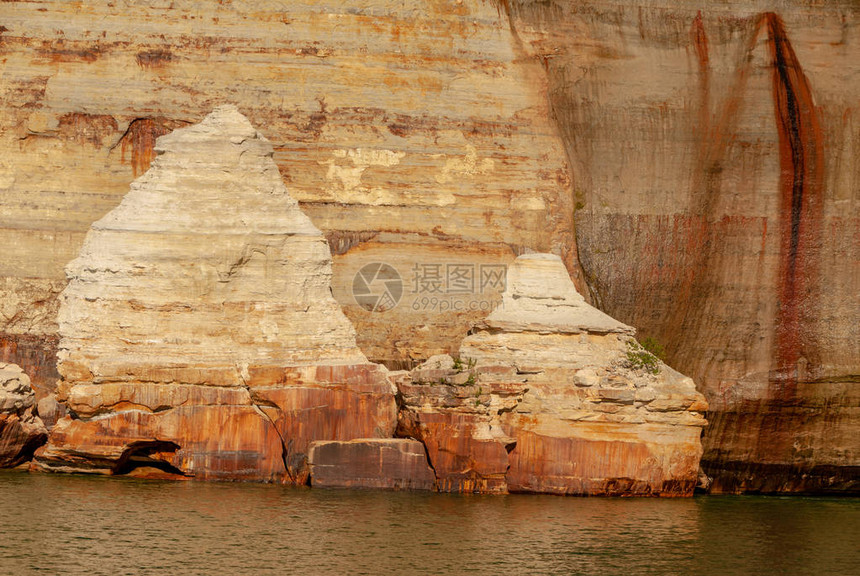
(714,181)
(551,395)
(394,464)
(21,431)
(198,332)
(412,133)
(716,166)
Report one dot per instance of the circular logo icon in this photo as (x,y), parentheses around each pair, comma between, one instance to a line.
(377,287)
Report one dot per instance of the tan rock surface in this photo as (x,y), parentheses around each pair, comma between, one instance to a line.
(199,334)
(578,410)
(673,117)
(21,431)
(412,133)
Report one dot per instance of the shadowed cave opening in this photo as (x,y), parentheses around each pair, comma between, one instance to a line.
(145,454)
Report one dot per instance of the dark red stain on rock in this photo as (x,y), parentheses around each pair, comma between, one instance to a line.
(153,58)
(716,132)
(140,139)
(801,154)
(700,41)
(37,355)
(62,50)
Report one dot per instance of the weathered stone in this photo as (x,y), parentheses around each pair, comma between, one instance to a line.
(199,334)
(570,412)
(21,432)
(413,133)
(395,463)
(715,161)
(50,410)
(540,297)
(710,213)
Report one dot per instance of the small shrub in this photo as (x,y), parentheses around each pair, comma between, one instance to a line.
(651,345)
(638,358)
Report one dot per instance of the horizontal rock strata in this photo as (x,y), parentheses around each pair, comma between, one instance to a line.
(21,431)
(551,395)
(714,156)
(199,336)
(413,133)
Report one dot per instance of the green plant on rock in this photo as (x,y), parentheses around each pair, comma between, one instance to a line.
(639,358)
(458,364)
(654,347)
(470,381)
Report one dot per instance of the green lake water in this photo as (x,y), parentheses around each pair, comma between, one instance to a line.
(55,524)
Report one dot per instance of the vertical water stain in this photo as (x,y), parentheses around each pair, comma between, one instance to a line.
(700,43)
(716,133)
(140,139)
(801,157)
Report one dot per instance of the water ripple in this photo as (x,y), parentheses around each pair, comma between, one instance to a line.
(78,525)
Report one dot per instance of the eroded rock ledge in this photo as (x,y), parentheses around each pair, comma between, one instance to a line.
(21,431)
(199,336)
(551,395)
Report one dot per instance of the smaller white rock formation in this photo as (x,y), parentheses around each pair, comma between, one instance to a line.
(540,297)
(552,395)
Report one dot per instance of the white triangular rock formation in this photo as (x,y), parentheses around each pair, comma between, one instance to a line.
(207,260)
(540,296)
(199,335)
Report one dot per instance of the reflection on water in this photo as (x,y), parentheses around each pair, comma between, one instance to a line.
(78,525)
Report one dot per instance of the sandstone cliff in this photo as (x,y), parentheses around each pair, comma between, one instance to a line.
(198,332)
(551,395)
(717,173)
(412,133)
(713,183)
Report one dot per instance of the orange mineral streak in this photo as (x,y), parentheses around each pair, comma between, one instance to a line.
(801,154)
(222,432)
(140,139)
(700,41)
(717,132)
(801,177)
(92,129)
